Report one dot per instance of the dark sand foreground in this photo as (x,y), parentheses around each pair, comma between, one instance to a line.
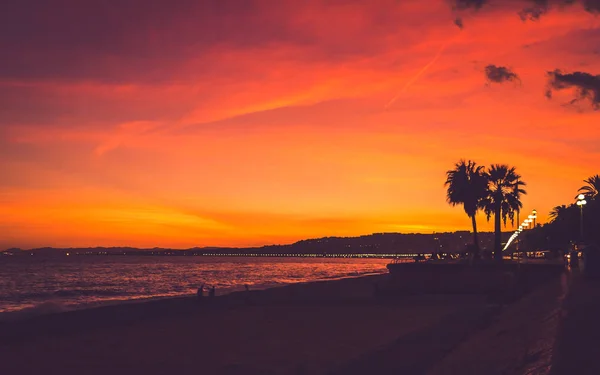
(333,327)
(578,350)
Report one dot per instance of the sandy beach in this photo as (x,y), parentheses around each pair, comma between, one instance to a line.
(332,327)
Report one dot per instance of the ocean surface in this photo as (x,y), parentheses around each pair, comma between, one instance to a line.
(30,285)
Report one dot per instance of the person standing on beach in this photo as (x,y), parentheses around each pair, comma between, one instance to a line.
(211,292)
(200,292)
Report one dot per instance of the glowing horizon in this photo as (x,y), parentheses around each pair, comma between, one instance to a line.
(220,124)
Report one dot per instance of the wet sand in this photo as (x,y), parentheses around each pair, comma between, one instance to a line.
(333,327)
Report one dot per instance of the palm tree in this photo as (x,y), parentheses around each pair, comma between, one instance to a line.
(557,213)
(466,184)
(502,200)
(592,189)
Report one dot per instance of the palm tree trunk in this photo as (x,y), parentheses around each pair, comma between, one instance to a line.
(497,234)
(475,238)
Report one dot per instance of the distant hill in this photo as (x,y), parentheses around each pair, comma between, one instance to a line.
(377,243)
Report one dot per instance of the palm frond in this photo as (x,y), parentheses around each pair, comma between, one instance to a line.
(504,192)
(592,187)
(465,185)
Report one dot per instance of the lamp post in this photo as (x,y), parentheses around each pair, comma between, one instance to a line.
(518,233)
(525,227)
(581,202)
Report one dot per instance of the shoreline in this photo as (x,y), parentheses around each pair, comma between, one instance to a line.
(160,305)
(319,327)
(51,306)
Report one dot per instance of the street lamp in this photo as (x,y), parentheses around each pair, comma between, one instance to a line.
(581,202)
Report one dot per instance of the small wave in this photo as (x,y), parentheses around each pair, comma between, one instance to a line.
(25,296)
(63,293)
(49,307)
(349,274)
(90,292)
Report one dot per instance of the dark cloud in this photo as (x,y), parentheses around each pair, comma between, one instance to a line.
(592,6)
(459,22)
(469,4)
(531,10)
(586,84)
(538,8)
(500,74)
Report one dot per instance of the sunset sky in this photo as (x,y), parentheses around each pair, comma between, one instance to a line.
(229,122)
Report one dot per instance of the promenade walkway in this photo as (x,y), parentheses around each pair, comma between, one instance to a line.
(578,342)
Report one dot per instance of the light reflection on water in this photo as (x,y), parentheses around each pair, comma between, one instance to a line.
(87,280)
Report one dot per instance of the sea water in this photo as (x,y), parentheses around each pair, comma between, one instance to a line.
(37,284)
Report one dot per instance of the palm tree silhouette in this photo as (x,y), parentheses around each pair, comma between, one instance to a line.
(467,185)
(557,213)
(592,188)
(502,200)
